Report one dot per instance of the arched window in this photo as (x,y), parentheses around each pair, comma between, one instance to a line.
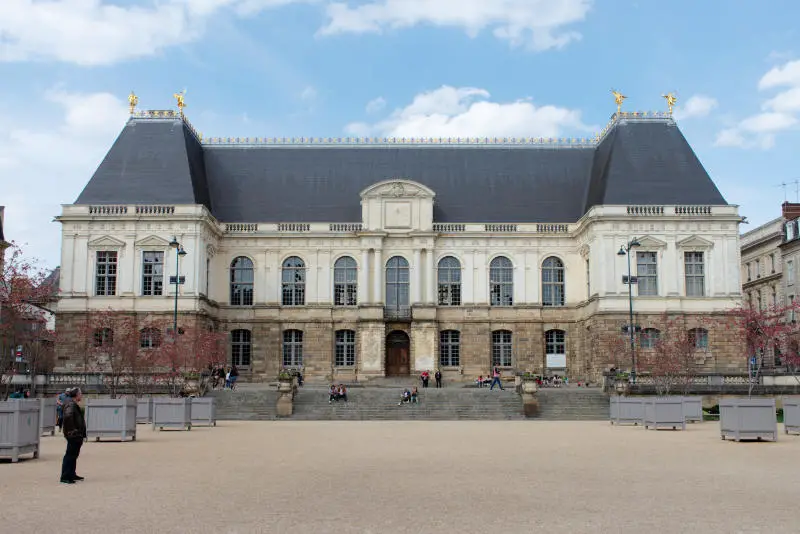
(292,348)
(555,348)
(699,338)
(501,282)
(552,282)
(242,282)
(501,348)
(449,348)
(649,337)
(345,282)
(449,282)
(397,282)
(103,337)
(345,355)
(294,282)
(241,347)
(149,338)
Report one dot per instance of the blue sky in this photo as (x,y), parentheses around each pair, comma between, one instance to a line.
(382,67)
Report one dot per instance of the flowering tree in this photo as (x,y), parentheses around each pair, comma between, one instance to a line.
(190,355)
(610,347)
(24,293)
(672,357)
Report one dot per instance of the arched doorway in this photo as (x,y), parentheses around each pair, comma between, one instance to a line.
(398,348)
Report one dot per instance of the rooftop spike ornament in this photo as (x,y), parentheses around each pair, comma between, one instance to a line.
(671,101)
(619,98)
(180,99)
(133,100)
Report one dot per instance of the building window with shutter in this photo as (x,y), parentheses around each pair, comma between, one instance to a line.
(106,274)
(694,268)
(647,272)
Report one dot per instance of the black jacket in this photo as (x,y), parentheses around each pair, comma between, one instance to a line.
(74,424)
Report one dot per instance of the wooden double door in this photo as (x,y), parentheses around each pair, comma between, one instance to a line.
(398,354)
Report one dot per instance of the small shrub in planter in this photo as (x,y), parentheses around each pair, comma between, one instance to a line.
(748,418)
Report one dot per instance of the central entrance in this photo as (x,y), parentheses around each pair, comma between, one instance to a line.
(398,361)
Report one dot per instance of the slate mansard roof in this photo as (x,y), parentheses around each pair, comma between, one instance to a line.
(161,161)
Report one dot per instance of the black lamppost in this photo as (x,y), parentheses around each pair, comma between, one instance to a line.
(623,251)
(180,253)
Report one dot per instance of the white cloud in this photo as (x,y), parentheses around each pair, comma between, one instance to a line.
(465,112)
(696,106)
(375,105)
(788,74)
(785,102)
(538,24)
(57,158)
(97,32)
(308,94)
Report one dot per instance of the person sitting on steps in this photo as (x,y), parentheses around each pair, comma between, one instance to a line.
(405,398)
(341,393)
(414,395)
(332,394)
(479,381)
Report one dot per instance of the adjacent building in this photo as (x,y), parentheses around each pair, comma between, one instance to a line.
(360,258)
(762,265)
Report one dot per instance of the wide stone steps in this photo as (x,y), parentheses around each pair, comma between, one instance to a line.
(573,404)
(246,405)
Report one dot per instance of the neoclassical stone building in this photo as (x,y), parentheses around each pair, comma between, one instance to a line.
(372,257)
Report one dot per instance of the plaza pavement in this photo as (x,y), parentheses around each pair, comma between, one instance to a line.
(387,477)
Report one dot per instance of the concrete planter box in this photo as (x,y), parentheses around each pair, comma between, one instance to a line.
(629,410)
(204,411)
(613,409)
(172,413)
(693,409)
(742,418)
(791,414)
(144,410)
(19,428)
(111,418)
(48,417)
(664,412)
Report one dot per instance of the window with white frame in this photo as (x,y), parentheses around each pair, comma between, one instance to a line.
(552,282)
(105,273)
(241,347)
(241,282)
(103,337)
(152,273)
(449,276)
(501,348)
(345,282)
(555,347)
(292,348)
(694,271)
(449,348)
(293,276)
(501,282)
(345,350)
(649,337)
(397,283)
(149,338)
(647,273)
(699,338)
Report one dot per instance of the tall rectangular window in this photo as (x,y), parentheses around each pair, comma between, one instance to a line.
(790,272)
(106,274)
(152,273)
(695,274)
(501,348)
(449,348)
(345,355)
(647,271)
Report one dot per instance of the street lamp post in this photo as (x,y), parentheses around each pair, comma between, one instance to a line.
(179,253)
(623,251)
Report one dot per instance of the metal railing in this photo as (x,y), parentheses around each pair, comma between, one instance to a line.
(397,313)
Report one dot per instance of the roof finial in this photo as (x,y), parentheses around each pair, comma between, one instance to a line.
(671,101)
(179,97)
(619,98)
(133,100)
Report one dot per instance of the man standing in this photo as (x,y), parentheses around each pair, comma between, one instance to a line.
(438,377)
(74,427)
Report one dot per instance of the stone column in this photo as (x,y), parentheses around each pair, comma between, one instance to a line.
(416,277)
(430,274)
(377,288)
(363,278)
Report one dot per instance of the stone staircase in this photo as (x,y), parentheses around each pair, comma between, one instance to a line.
(380,404)
(573,404)
(246,403)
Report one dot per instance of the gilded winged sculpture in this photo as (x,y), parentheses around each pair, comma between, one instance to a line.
(671,101)
(619,98)
(133,100)
(180,99)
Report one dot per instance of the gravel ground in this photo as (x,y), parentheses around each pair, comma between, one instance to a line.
(386,477)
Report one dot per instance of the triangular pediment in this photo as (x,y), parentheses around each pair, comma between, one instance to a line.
(153,241)
(695,241)
(107,241)
(651,242)
(398,189)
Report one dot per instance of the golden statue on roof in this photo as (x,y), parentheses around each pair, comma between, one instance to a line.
(619,98)
(133,100)
(180,99)
(671,101)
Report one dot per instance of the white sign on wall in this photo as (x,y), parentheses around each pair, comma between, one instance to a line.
(556,361)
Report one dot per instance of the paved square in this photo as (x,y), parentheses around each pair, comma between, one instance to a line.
(387,477)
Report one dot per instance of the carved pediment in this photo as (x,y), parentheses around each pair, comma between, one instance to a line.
(397,189)
(106,241)
(695,241)
(153,241)
(651,242)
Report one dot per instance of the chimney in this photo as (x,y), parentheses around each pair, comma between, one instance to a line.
(2,221)
(791,211)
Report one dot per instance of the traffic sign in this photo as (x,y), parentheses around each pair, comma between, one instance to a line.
(181,280)
(633,279)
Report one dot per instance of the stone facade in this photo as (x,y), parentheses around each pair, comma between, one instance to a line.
(762,265)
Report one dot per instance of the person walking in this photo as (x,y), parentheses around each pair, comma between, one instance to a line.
(74,427)
(496,379)
(234,376)
(438,377)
